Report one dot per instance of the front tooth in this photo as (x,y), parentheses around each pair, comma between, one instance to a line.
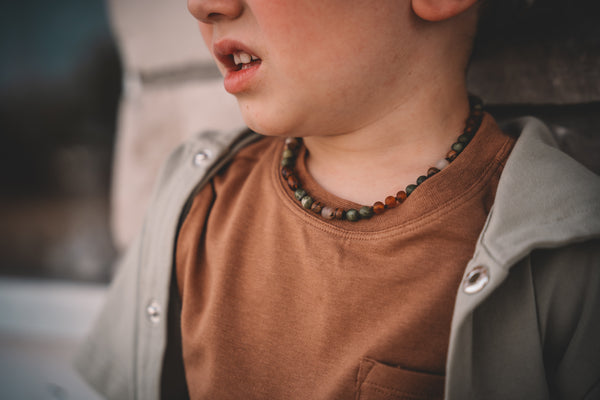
(236,59)
(245,57)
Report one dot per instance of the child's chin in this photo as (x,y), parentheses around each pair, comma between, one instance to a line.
(268,126)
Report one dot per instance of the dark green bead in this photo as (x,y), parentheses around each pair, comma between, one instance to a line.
(299,194)
(458,147)
(366,212)
(307,202)
(409,189)
(352,215)
(463,139)
(421,179)
(288,162)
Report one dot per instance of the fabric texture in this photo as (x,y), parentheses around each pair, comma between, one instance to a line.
(279,303)
(524,323)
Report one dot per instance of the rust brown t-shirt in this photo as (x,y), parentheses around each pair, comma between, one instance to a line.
(279,303)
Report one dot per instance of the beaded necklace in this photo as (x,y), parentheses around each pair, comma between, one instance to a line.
(290,152)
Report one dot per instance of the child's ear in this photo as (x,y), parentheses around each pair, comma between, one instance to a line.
(439,10)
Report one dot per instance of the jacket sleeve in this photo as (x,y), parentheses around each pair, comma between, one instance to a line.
(106,359)
(567,285)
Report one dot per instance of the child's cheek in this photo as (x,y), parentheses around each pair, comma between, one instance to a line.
(207,32)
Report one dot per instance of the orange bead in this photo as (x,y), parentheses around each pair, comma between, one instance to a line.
(339,213)
(316,207)
(391,202)
(432,171)
(401,196)
(451,156)
(286,172)
(378,207)
(293,182)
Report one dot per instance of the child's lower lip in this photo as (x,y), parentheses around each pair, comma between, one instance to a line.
(237,81)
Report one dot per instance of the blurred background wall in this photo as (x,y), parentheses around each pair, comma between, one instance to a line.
(60,80)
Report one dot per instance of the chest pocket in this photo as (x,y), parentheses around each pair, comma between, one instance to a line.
(377,381)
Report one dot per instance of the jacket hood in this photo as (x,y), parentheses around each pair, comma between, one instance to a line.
(544,198)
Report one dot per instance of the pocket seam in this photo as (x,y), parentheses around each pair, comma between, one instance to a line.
(380,388)
(367,366)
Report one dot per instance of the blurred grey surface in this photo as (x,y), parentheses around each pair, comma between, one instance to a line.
(537,52)
(41,323)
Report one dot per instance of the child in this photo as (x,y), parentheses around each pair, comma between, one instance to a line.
(395,245)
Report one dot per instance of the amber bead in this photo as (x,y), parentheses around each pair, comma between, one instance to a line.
(401,196)
(328,212)
(286,172)
(378,207)
(293,182)
(339,213)
(316,207)
(421,179)
(352,215)
(432,171)
(409,189)
(451,156)
(469,130)
(391,202)
(365,212)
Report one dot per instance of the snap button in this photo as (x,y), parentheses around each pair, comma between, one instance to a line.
(153,312)
(476,280)
(201,157)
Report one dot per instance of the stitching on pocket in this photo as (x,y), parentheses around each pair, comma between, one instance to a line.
(364,368)
(365,384)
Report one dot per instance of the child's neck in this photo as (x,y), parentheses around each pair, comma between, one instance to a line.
(377,160)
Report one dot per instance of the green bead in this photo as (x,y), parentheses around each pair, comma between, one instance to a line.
(352,215)
(287,154)
(463,139)
(421,179)
(366,212)
(299,194)
(409,189)
(287,162)
(458,147)
(307,202)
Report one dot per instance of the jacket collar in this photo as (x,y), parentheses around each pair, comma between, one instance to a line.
(544,197)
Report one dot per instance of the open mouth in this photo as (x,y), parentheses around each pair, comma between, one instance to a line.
(243,60)
(240,63)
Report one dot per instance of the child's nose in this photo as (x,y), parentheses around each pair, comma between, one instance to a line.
(211,11)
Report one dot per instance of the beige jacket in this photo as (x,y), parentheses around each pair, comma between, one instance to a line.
(526,322)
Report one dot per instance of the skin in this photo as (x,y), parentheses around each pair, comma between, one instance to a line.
(377,89)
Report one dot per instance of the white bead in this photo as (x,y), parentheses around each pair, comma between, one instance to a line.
(443,163)
(328,212)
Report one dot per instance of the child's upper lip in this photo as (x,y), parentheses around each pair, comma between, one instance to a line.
(224,49)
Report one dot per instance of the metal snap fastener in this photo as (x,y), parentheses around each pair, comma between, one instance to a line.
(153,312)
(201,157)
(476,280)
